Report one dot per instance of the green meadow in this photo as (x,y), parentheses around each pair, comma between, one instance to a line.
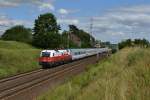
(16,57)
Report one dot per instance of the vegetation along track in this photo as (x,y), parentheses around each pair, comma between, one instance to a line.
(11,86)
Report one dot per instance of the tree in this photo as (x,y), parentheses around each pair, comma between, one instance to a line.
(65,42)
(125,43)
(18,33)
(135,43)
(73,28)
(64,39)
(141,43)
(46,32)
(86,39)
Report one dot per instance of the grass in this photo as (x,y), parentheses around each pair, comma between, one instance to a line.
(14,45)
(17,58)
(123,76)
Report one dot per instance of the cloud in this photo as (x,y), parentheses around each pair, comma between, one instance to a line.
(45,6)
(14,3)
(6,23)
(5,3)
(63,11)
(121,23)
(68,21)
(42,5)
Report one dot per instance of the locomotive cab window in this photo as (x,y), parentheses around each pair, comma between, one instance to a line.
(45,54)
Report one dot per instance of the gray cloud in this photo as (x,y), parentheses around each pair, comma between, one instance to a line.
(6,23)
(121,23)
(68,21)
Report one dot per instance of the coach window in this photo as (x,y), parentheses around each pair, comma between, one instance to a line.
(76,53)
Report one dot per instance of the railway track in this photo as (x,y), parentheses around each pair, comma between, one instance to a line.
(14,85)
(19,75)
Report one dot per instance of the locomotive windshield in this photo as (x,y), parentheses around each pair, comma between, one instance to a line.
(45,54)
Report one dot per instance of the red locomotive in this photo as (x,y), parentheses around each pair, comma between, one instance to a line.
(54,57)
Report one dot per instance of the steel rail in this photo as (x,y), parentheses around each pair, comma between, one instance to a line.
(51,76)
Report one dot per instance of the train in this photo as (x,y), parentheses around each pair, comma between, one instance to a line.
(51,58)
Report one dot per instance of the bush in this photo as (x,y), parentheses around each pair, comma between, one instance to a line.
(18,33)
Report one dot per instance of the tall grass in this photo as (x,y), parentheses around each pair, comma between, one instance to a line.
(17,58)
(123,76)
(14,45)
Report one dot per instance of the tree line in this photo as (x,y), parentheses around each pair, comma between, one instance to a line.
(45,34)
(134,43)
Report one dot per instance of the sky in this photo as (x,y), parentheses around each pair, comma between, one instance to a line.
(113,20)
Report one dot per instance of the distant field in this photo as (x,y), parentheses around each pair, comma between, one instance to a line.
(124,76)
(17,57)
